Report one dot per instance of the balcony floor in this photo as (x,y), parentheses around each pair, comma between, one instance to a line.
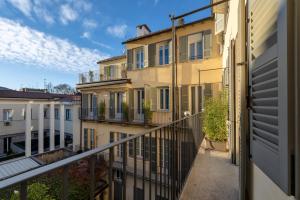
(212,177)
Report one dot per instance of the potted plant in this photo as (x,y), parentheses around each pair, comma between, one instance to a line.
(215,122)
(124,111)
(102,110)
(147,112)
(91,75)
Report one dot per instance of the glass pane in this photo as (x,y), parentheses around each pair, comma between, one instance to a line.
(161,62)
(161,99)
(167,54)
(199,50)
(192,51)
(167,99)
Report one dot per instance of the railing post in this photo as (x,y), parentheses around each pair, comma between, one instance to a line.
(124,169)
(65,183)
(92,177)
(23,191)
(150,164)
(134,173)
(110,175)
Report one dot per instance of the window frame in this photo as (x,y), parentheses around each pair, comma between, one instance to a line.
(56,113)
(9,115)
(68,115)
(164,48)
(197,55)
(164,103)
(139,58)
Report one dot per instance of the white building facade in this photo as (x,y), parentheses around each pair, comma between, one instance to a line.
(34,122)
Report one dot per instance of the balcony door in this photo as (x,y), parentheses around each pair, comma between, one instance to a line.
(140,94)
(119,101)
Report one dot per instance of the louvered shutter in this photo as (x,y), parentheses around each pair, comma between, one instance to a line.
(269,91)
(153,99)
(146,55)
(183,48)
(207,90)
(151,54)
(207,44)
(129,59)
(184,98)
(131,104)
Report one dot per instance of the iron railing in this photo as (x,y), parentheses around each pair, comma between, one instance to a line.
(95,76)
(150,165)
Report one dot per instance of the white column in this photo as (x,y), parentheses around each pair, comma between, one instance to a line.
(62,125)
(52,131)
(76,127)
(41,128)
(28,130)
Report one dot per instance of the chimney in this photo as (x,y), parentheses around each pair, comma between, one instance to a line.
(180,21)
(142,30)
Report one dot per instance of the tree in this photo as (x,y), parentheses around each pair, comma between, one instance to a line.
(36,191)
(64,89)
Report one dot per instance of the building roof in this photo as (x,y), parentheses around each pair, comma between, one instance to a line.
(16,167)
(167,30)
(4,88)
(13,94)
(111,59)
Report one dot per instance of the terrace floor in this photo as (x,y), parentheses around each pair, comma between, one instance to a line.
(212,177)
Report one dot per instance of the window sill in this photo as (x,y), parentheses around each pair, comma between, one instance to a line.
(162,111)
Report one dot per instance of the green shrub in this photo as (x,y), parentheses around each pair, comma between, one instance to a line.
(125,111)
(102,110)
(215,117)
(147,112)
(36,191)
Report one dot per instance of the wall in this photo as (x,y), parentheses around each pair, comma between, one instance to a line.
(262,187)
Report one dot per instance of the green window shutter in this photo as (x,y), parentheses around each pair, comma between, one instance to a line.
(184,98)
(183,48)
(151,54)
(153,99)
(85,100)
(129,59)
(208,90)
(270,117)
(131,105)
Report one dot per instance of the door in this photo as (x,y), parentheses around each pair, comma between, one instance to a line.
(119,110)
(112,106)
(140,105)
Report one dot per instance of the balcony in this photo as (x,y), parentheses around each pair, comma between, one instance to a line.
(161,163)
(131,116)
(96,76)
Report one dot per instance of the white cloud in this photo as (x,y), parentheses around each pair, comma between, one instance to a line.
(117,30)
(101,44)
(67,14)
(24,6)
(89,23)
(86,35)
(82,5)
(24,45)
(44,14)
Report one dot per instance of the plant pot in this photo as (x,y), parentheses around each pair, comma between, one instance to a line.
(214,145)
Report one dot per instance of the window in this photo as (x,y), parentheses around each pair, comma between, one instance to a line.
(85,135)
(164,54)
(164,99)
(46,113)
(56,113)
(192,51)
(7,115)
(120,147)
(200,45)
(68,115)
(138,147)
(92,135)
(139,56)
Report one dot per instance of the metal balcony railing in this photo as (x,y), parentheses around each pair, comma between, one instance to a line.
(150,165)
(95,76)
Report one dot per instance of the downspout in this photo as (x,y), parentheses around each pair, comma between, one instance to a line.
(80,122)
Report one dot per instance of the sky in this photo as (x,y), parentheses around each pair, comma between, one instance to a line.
(55,40)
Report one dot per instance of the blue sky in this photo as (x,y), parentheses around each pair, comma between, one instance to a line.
(57,39)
